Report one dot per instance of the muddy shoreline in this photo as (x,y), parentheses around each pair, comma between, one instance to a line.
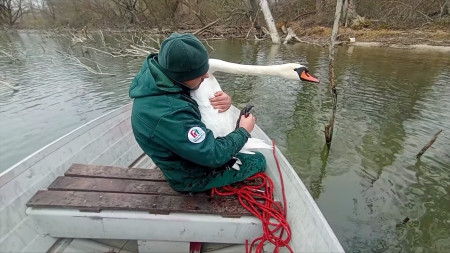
(414,39)
(433,39)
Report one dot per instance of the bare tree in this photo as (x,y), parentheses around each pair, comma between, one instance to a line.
(150,10)
(320,6)
(31,6)
(165,12)
(48,7)
(192,14)
(447,2)
(349,11)
(269,20)
(252,6)
(3,13)
(10,11)
(197,12)
(132,7)
(172,6)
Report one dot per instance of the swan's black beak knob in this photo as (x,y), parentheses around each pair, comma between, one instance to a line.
(305,76)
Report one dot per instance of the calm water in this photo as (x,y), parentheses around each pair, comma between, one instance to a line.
(391,102)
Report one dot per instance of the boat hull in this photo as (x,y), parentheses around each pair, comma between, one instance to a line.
(109,140)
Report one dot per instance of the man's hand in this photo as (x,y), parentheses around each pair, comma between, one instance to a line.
(247,122)
(220,101)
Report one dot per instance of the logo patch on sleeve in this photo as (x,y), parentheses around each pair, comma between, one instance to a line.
(196,135)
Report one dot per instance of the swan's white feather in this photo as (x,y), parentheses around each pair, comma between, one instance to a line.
(253,144)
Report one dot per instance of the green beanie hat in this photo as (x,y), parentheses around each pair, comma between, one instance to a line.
(183,57)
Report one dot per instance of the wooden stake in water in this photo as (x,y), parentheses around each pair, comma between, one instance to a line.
(329,127)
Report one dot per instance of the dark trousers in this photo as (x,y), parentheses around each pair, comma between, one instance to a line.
(251,164)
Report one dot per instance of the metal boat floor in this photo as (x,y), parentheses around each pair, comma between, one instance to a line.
(130,246)
(69,245)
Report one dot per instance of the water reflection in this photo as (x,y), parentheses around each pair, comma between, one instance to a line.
(378,113)
(390,104)
(54,96)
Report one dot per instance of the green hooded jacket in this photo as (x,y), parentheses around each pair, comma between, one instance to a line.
(167,125)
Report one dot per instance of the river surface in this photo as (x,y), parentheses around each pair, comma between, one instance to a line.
(375,194)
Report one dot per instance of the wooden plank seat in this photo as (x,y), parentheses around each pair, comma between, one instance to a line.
(96,188)
(107,202)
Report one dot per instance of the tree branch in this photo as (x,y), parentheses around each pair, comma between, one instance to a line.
(428,145)
(9,86)
(206,26)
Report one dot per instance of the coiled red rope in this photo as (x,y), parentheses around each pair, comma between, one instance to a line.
(258,199)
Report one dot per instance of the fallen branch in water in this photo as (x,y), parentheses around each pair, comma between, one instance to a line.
(135,44)
(10,56)
(292,36)
(140,50)
(101,51)
(5,53)
(428,145)
(102,37)
(134,51)
(209,45)
(9,86)
(79,63)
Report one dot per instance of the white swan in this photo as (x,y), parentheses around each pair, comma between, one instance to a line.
(224,123)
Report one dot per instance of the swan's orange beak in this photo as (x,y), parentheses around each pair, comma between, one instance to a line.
(305,76)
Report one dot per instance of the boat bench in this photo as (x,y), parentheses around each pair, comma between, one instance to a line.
(105,202)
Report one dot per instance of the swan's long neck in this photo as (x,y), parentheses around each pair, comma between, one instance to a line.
(283,70)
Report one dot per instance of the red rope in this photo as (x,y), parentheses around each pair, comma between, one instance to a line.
(258,200)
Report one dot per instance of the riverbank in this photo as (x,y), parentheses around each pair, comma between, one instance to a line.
(426,38)
(429,37)
(435,39)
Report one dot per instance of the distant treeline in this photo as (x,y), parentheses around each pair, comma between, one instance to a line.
(185,14)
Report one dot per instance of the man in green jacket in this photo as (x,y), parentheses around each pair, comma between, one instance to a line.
(167,123)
